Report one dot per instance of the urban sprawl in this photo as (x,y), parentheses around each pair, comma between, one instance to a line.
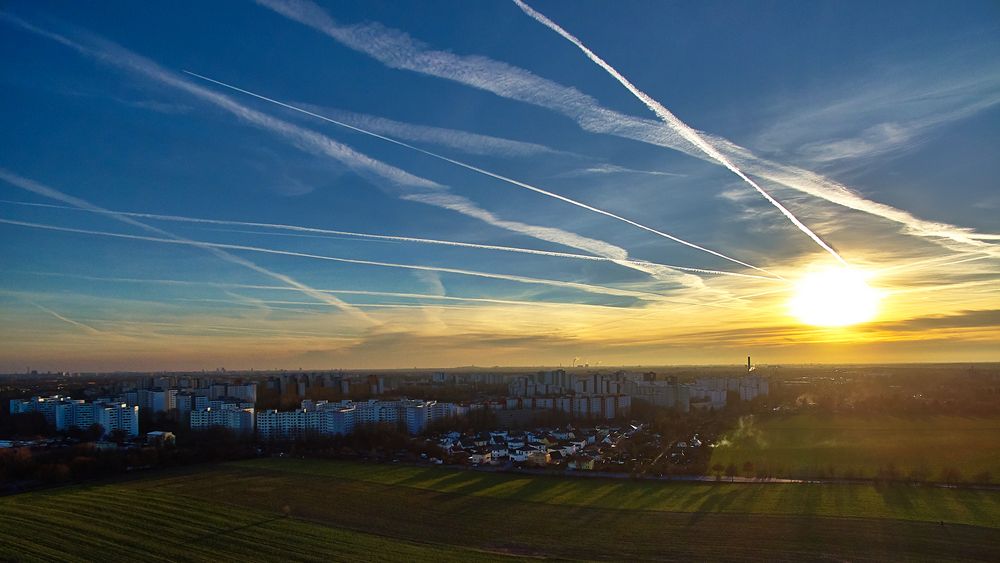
(213,401)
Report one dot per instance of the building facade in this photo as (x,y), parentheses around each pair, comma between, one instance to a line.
(64,413)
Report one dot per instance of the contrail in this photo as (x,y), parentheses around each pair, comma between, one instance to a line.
(685,131)
(51,193)
(974,259)
(597,289)
(247,330)
(498,176)
(246,303)
(214,328)
(310,141)
(256,303)
(85,327)
(334,291)
(716,303)
(244,329)
(302,229)
(397,49)
(464,141)
(935,263)
(107,52)
(944,287)
(122,322)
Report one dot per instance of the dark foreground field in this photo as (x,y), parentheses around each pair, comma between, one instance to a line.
(862,445)
(321,510)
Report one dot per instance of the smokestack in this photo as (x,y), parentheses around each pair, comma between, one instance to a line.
(748,364)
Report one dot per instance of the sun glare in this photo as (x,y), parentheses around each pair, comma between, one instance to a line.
(834,297)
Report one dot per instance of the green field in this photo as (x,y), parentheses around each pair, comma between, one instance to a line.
(858,446)
(321,510)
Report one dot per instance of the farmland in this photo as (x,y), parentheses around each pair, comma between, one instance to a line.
(846,445)
(311,509)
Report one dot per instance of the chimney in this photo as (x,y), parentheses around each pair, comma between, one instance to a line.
(748,363)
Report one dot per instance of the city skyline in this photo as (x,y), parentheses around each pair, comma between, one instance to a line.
(384,186)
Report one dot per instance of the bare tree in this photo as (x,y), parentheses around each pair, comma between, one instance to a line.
(732,471)
(718,468)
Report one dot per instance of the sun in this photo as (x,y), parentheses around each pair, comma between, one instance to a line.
(834,297)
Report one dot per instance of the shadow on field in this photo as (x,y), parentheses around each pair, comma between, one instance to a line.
(714,503)
(896,496)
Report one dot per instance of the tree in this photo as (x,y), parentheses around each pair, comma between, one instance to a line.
(29,424)
(53,472)
(83,467)
(982,478)
(118,436)
(718,468)
(748,468)
(94,432)
(888,472)
(920,474)
(731,471)
(951,475)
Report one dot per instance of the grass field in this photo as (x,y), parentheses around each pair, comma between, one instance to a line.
(858,446)
(311,509)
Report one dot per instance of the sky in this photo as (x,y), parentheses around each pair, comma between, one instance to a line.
(285,184)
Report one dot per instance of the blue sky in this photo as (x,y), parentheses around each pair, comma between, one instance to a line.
(876,125)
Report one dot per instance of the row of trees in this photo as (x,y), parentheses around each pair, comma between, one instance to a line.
(379,442)
(23,425)
(884,474)
(904,390)
(25,467)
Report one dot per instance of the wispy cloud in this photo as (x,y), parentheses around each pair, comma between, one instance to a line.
(258,304)
(890,112)
(413,187)
(665,269)
(123,326)
(466,204)
(396,49)
(279,305)
(608,169)
(989,318)
(403,295)
(588,288)
(110,53)
(168,108)
(433,314)
(464,141)
(681,128)
(52,193)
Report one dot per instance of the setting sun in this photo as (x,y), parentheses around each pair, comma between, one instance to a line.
(834,297)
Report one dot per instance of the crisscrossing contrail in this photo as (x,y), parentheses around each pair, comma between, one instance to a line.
(396,238)
(683,129)
(494,175)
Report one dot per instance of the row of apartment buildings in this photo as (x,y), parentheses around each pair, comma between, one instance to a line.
(238,417)
(560,386)
(583,406)
(64,413)
(322,418)
(187,399)
(342,417)
(558,382)
(702,393)
(346,384)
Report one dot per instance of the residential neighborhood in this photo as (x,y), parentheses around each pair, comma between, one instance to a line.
(627,448)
